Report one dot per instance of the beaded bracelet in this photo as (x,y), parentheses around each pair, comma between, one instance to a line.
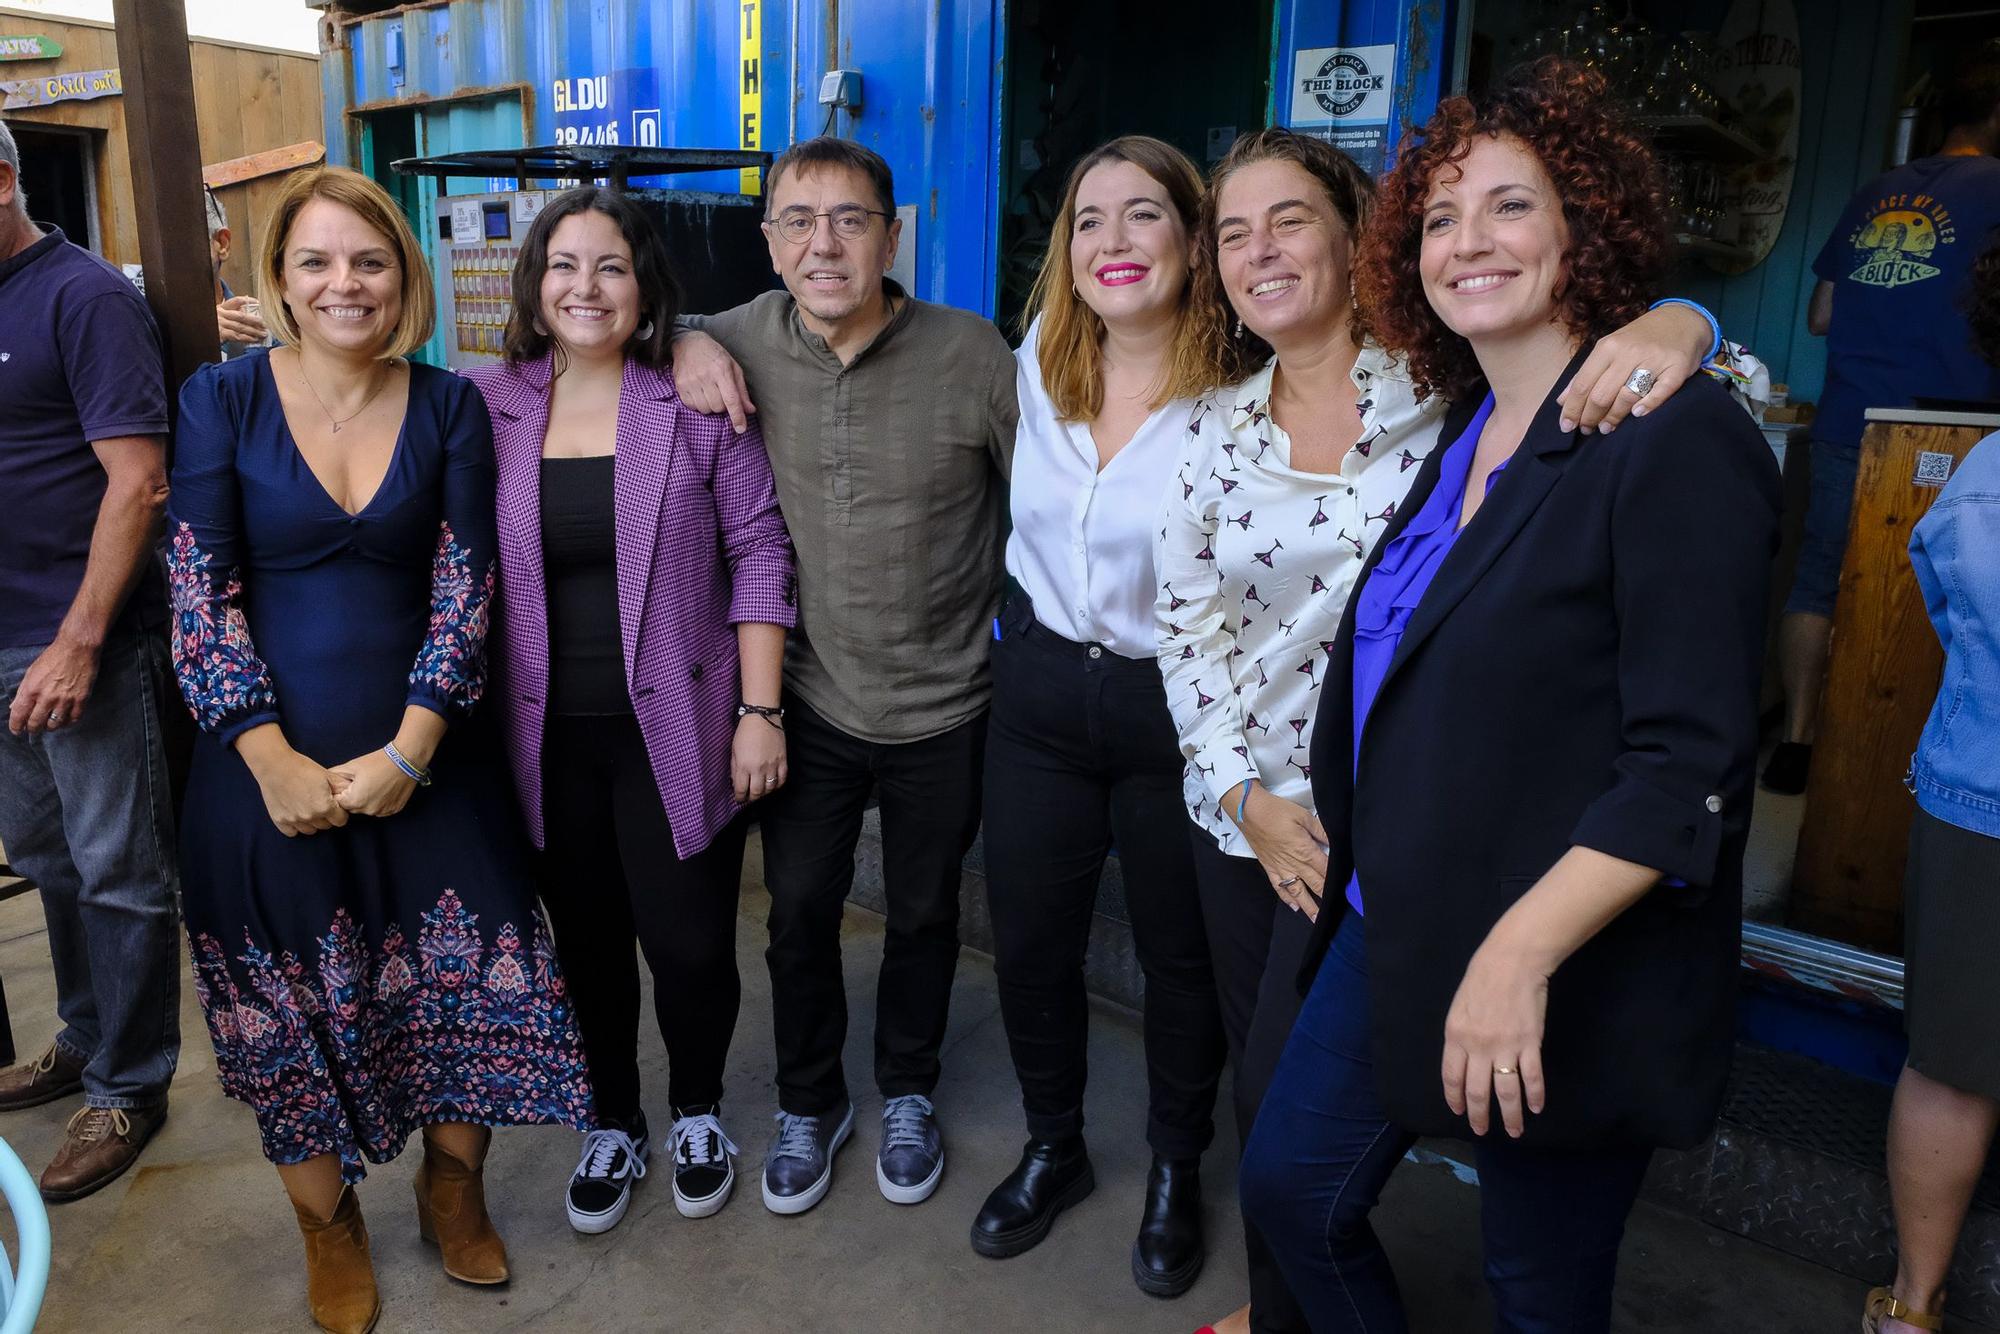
(421,777)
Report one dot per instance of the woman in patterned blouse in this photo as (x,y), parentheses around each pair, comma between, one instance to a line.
(1287,477)
(366,944)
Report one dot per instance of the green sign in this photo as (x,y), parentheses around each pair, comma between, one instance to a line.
(29,48)
(81,86)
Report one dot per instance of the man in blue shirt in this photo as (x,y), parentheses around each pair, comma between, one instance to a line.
(84,811)
(1893,279)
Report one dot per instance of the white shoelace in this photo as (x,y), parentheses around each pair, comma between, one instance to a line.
(600,1148)
(798,1136)
(903,1122)
(695,1140)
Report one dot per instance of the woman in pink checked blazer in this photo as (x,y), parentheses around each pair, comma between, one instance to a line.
(646,583)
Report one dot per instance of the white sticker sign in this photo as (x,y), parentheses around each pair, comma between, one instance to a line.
(1343,85)
(529,203)
(465,223)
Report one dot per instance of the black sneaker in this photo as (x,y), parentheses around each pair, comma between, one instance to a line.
(600,1189)
(704,1161)
(1785,774)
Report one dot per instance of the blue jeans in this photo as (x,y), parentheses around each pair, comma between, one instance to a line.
(1829,509)
(84,813)
(1321,1151)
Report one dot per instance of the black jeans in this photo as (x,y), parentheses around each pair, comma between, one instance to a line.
(928,792)
(1082,753)
(1257,944)
(610,879)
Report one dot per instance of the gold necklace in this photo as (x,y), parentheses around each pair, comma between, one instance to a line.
(339,422)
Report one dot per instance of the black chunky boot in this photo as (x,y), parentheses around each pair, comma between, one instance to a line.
(1052,1175)
(1166,1258)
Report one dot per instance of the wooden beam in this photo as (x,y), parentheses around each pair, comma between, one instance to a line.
(269,162)
(166,180)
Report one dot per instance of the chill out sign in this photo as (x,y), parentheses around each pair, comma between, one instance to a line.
(622,107)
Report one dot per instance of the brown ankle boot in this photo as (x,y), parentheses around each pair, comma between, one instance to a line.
(451,1212)
(340,1277)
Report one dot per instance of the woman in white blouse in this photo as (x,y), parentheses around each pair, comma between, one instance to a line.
(1081,752)
(1285,479)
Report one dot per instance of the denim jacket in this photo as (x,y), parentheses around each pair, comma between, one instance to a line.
(1955,772)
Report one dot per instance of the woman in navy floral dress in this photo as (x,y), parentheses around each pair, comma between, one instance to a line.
(365,940)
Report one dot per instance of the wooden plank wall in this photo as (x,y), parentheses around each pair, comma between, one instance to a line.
(246,100)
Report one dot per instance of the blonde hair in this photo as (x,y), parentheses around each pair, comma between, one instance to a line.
(1069,348)
(371,203)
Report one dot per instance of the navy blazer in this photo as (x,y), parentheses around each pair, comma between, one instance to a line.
(1583,670)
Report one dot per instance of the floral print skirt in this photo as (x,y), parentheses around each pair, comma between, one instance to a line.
(365,981)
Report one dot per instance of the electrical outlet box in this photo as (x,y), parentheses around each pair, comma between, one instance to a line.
(841,88)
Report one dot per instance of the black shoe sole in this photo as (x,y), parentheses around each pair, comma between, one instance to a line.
(1166,1285)
(1005,1245)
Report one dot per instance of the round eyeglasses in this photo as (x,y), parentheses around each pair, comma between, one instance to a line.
(849,222)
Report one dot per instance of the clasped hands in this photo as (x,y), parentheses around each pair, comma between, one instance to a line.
(303,797)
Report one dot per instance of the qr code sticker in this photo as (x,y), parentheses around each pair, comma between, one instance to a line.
(1933,469)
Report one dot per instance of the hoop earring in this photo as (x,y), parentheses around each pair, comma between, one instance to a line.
(541,329)
(1239,328)
(644,333)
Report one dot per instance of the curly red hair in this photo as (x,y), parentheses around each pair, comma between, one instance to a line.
(1614,201)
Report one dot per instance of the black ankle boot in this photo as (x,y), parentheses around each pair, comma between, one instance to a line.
(1166,1259)
(1052,1175)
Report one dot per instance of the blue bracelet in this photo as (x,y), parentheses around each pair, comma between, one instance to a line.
(421,777)
(1714,325)
(1243,800)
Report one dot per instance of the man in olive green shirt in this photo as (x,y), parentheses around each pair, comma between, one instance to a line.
(890,426)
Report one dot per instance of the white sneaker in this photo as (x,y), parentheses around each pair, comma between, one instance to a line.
(600,1190)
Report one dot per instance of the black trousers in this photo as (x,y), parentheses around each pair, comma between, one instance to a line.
(610,880)
(1082,754)
(1257,944)
(928,793)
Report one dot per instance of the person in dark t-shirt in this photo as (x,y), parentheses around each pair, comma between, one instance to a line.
(84,810)
(1893,278)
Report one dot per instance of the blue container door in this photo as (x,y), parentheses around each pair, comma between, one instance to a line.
(931,107)
(429,129)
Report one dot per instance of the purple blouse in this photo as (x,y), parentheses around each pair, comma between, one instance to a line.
(1397,583)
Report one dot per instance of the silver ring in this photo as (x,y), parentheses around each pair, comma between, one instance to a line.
(1503,1069)
(1642,382)
(55,720)
(1288,882)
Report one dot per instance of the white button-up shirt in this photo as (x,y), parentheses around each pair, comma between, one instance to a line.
(1082,545)
(1256,561)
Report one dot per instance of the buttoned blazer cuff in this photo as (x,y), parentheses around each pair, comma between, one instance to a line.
(1641,823)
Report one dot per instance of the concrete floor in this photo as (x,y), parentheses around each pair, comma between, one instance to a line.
(198,1235)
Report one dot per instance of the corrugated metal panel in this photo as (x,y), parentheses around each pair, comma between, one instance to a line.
(624,70)
(930,106)
(617,71)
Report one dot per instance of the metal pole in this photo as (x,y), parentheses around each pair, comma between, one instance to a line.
(166,180)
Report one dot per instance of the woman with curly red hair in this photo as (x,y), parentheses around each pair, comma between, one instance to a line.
(1286,479)
(1534,743)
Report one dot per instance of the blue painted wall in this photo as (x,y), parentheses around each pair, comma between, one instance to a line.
(1852,54)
